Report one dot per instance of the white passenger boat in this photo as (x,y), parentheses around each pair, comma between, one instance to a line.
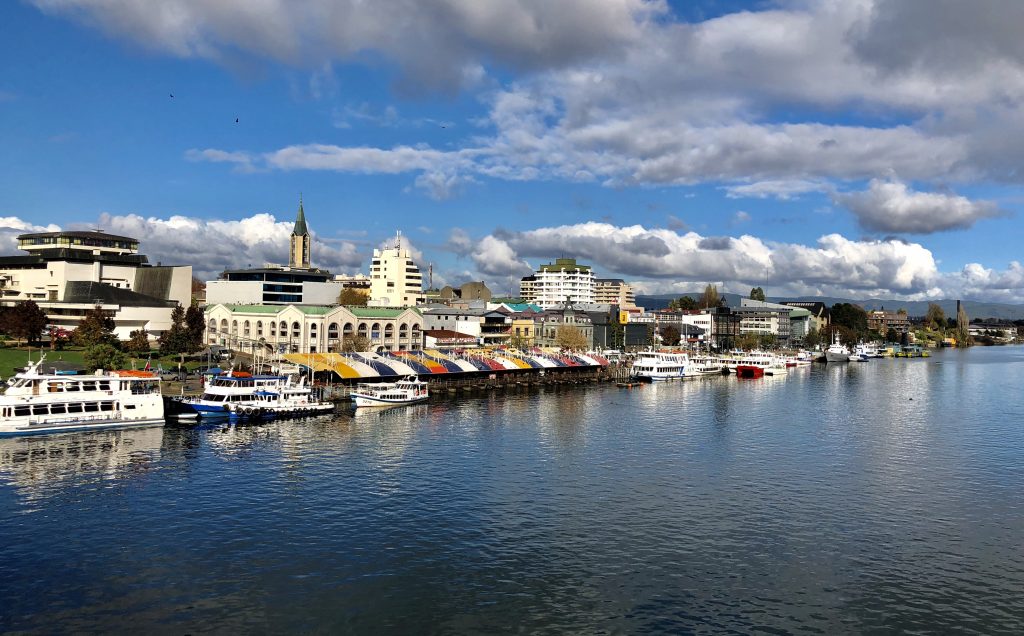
(657,366)
(289,400)
(220,392)
(762,359)
(706,365)
(38,402)
(408,390)
(837,352)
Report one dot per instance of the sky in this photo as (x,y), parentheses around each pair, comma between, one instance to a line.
(853,148)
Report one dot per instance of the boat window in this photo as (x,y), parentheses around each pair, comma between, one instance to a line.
(76,387)
(91,407)
(104,385)
(21,411)
(129,406)
(40,409)
(75,407)
(54,388)
(58,409)
(106,406)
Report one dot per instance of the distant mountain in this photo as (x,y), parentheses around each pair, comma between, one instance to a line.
(974,309)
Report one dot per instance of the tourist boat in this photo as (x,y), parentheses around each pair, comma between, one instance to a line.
(408,390)
(706,365)
(38,402)
(799,359)
(837,352)
(761,359)
(220,392)
(657,366)
(289,400)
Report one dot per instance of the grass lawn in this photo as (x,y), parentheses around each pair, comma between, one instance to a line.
(11,358)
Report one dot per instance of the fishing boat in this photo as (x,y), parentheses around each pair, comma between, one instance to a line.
(657,366)
(38,402)
(408,390)
(289,400)
(222,391)
(837,352)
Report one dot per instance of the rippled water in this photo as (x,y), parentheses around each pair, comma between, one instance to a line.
(881,496)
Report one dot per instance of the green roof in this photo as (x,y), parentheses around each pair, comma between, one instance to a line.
(378,312)
(300,222)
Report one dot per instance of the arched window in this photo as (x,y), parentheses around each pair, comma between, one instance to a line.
(234,326)
(245,328)
(362,330)
(296,330)
(212,326)
(332,331)
(403,331)
(389,331)
(282,329)
(347,329)
(375,331)
(223,325)
(259,328)
(273,329)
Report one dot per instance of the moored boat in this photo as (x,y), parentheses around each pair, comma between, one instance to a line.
(837,352)
(222,391)
(37,402)
(658,366)
(289,400)
(408,390)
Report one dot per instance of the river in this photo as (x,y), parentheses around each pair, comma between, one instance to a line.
(847,498)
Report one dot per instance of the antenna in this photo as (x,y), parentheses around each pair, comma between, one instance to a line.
(398,240)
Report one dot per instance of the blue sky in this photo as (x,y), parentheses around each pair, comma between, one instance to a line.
(860,148)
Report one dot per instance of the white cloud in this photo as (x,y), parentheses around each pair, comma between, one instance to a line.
(890,206)
(781,189)
(212,246)
(12,226)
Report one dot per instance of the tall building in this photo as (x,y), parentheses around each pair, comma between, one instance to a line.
(614,291)
(298,255)
(69,273)
(556,283)
(395,280)
(296,284)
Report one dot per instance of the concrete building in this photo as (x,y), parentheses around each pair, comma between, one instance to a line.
(549,323)
(295,284)
(820,317)
(490,327)
(557,283)
(882,320)
(614,291)
(69,273)
(395,280)
(311,328)
(467,292)
(762,318)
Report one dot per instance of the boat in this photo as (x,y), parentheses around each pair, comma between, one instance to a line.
(289,400)
(37,402)
(221,391)
(761,359)
(837,352)
(658,366)
(408,390)
(706,365)
(749,371)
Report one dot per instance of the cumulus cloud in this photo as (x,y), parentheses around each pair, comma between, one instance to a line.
(12,226)
(213,245)
(892,207)
(783,190)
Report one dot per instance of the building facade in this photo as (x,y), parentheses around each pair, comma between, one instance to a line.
(490,327)
(395,280)
(69,273)
(761,318)
(614,291)
(555,284)
(311,328)
(550,323)
(882,320)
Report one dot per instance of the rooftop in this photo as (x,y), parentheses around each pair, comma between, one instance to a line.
(89,235)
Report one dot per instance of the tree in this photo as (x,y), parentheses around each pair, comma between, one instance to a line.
(709,298)
(748,341)
(571,337)
(963,333)
(97,327)
(355,343)
(892,335)
(686,303)
(59,338)
(353,297)
(26,321)
(852,317)
(812,337)
(935,317)
(138,342)
(670,335)
(103,356)
(176,339)
(757,294)
(195,324)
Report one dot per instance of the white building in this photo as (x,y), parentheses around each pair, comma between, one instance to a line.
(395,280)
(487,326)
(556,283)
(311,328)
(69,273)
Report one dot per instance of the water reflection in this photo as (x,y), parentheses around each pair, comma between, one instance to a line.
(33,465)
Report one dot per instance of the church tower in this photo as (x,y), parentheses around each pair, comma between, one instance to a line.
(298,256)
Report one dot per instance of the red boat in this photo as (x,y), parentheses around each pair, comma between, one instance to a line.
(749,371)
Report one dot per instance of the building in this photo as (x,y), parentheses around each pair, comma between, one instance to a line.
(551,322)
(614,291)
(69,273)
(468,292)
(882,320)
(311,328)
(395,280)
(820,316)
(761,318)
(295,284)
(557,283)
(447,339)
(490,327)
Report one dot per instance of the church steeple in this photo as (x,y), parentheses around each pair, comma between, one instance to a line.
(298,255)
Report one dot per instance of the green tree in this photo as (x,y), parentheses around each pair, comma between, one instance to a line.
(709,298)
(572,338)
(138,342)
(176,339)
(852,317)
(963,333)
(812,337)
(195,325)
(767,341)
(103,356)
(26,321)
(670,335)
(748,341)
(686,303)
(353,297)
(355,343)
(757,294)
(935,317)
(96,327)
(892,335)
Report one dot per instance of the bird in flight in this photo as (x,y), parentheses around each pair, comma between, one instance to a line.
(172,95)
(236,120)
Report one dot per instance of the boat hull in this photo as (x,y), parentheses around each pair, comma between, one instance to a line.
(370,401)
(749,371)
(832,356)
(76,426)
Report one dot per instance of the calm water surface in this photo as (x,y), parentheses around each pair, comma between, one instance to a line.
(870,497)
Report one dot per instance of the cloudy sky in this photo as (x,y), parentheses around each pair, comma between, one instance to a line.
(842,147)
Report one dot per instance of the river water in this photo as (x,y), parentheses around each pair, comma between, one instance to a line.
(878,496)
